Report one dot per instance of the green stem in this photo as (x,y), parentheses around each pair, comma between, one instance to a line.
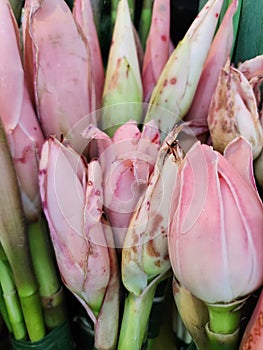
(14,241)
(50,291)
(136,315)
(3,311)
(135,319)
(145,21)
(11,301)
(219,341)
(223,327)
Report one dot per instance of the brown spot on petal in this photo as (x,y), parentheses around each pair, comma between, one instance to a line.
(173,81)
(151,249)
(163,37)
(157,263)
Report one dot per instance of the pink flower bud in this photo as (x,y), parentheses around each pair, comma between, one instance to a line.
(58,68)
(128,160)
(72,200)
(23,132)
(215,239)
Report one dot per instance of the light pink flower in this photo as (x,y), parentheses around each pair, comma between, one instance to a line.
(23,132)
(58,67)
(72,198)
(127,162)
(216,233)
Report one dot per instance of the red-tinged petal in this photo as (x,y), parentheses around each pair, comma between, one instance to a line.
(62,70)
(82,11)
(216,59)
(157,47)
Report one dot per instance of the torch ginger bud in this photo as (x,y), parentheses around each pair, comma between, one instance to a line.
(215,239)
(233,111)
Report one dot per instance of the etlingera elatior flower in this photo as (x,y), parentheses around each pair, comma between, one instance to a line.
(127,161)
(72,197)
(24,135)
(216,233)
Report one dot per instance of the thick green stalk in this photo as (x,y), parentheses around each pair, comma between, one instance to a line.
(14,241)
(50,290)
(136,315)
(145,21)
(223,326)
(11,302)
(135,319)
(3,312)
